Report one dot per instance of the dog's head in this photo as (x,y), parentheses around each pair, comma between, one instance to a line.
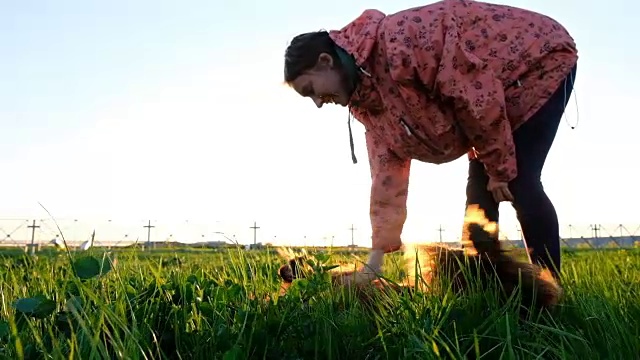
(291,270)
(295,268)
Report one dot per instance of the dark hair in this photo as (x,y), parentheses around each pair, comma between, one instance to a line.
(303,51)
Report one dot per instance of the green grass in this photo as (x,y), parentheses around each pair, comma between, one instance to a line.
(198,305)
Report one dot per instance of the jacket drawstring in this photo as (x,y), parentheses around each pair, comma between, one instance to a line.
(353,153)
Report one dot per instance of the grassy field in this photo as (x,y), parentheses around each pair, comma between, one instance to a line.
(199,305)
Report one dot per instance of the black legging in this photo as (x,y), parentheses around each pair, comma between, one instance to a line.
(535,212)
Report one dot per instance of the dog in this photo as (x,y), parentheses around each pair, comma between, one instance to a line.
(481,259)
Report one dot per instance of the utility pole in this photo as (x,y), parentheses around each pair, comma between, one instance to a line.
(149,226)
(33,228)
(352,238)
(255,227)
(440,230)
(595,228)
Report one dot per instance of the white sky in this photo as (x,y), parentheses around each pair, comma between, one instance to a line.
(184,129)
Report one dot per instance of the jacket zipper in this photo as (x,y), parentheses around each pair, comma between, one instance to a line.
(422,140)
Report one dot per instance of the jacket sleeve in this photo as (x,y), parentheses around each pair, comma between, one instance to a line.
(389,189)
(479,103)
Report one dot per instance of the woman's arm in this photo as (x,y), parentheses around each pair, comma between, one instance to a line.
(389,189)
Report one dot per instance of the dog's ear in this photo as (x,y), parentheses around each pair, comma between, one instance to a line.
(292,270)
(286,273)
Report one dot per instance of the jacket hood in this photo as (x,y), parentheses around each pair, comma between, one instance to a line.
(359,37)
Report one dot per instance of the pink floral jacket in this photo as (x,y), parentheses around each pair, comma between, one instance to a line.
(443,80)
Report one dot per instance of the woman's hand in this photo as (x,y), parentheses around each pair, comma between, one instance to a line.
(500,191)
(366,274)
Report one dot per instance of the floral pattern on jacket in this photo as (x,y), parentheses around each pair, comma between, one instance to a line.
(443,80)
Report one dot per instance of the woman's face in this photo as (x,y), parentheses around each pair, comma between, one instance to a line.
(323,83)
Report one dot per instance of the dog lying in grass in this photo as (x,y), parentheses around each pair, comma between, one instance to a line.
(480,261)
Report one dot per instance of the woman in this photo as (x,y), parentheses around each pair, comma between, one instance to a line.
(436,82)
